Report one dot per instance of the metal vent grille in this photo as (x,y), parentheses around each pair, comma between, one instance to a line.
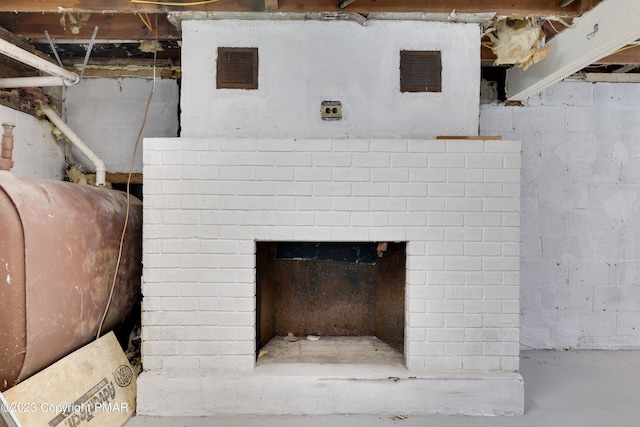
(420,71)
(237,68)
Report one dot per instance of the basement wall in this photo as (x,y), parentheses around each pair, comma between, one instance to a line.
(107,115)
(580,251)
(35,151)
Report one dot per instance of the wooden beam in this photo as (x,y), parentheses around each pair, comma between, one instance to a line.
(503,7)
(22,44)
(270,5)
(122,177)
(140,72)
(486,54)
(130,67)
(608,77)
(587,5)
(9,71)
(606,28)
(118,6)
(112,26)
(122,62)
(9,67)
(625,56)
(626,68)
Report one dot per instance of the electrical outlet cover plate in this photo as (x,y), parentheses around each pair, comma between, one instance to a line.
(331,110)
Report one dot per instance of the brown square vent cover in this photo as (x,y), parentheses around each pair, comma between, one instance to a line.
(237,68)
(420,71)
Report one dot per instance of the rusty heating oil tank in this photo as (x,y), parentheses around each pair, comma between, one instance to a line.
(58,251)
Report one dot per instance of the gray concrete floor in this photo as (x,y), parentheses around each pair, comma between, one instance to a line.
(562,388)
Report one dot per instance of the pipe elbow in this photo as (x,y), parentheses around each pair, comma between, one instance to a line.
(75,140)
(71,82)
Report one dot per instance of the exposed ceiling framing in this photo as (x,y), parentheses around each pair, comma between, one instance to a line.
(124,24)
(504,7)
(607,28)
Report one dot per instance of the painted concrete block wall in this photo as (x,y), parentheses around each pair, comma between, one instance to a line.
(302,63)
(35,151)
(207,201)
(107,115)
(580,213)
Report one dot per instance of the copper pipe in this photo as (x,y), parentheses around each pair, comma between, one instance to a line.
(6,162)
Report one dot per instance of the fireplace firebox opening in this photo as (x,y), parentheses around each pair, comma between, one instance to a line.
(336,291)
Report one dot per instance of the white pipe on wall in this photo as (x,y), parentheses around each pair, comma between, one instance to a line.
(13,51)
(75,140)
(12,82)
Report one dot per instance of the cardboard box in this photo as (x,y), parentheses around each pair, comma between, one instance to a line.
(94,384)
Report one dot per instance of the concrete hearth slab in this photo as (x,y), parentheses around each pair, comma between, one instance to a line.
(316,389)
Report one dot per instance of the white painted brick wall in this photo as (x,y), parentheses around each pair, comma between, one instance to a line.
(461,225)
(580,252)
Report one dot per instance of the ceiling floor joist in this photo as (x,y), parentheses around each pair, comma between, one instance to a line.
(607,77)
(502,7)
(608,27)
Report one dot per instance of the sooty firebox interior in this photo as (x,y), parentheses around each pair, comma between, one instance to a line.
(331,290)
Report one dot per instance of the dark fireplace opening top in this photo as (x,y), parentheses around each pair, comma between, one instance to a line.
(360,253)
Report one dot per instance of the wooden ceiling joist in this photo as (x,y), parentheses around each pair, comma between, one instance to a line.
(13,68)
(21,43)
(502,7)
(627,55)
(609,77)
(271,5)
(111,26)
(626,68)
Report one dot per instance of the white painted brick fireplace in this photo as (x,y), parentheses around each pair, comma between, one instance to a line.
(208,201)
